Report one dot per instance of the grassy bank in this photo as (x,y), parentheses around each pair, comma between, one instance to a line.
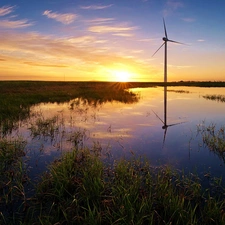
(80,189)
(16,97)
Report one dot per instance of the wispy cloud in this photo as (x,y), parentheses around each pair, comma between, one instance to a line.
(96,7)
(65,53)
(45,64)
(123,34)
(189,20)
(5,10)
(109,29)
(100,20)
(65,18)
(15,24)
(8,22)
(146,40)
(200,40)
(171,6)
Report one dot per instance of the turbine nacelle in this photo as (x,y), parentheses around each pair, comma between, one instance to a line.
(165,39)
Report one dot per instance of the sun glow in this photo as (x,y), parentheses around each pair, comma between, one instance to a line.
(122,76)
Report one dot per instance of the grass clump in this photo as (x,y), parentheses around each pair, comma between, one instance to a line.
(45,127)
(213,138)
(218,98)
(12,180)
(80,189)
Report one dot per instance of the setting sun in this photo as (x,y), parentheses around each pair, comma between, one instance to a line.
(122,76)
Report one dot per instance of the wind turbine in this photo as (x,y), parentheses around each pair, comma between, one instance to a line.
(165,39)
(165,125)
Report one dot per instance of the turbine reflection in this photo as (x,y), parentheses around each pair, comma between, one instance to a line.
(165,125)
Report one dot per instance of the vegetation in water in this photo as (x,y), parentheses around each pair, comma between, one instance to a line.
(13,178)
(213,137)
(79,188)
(16,97)
(218,98)
(179,91)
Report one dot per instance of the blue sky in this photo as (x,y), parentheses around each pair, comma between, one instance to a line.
(111,40)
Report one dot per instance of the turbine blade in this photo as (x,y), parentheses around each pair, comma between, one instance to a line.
(175,124)
(158,49)
(165,28)
(176,42)
(158,117)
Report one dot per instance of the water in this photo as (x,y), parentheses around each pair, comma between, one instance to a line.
(126,129)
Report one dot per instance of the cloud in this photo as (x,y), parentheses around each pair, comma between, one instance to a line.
(15,24)
(96,7)
(172,6)
(109,29)
(100,20)
(123,34)
(5,10)
(146,40)
(45,65)
(66,53)
(189,20)
(81,39)
(65,18)
(200,40)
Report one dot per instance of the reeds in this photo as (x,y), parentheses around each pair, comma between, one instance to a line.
(213,137)
(179,91)
(218,98)
(80,189)
(16,98)
(12,179)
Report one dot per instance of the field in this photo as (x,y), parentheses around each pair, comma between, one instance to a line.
(80,187)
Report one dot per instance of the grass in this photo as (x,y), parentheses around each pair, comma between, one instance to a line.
(12,178)
(213,137)
(218,98)
(179,91)
(80,189)
(16,97)
(45,127)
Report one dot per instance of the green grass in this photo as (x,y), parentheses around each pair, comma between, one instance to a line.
(12,179)
(16,97)
(213,137)
(80,189)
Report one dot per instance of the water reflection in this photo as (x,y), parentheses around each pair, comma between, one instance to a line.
(121,128)
(165,124)
(17,108)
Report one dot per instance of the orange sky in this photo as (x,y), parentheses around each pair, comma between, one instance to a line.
(89,42)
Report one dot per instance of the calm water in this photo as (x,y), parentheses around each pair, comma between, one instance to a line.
(122,129)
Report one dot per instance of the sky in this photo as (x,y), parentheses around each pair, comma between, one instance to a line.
(81,40)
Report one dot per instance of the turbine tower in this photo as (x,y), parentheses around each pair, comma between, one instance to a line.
(165,39)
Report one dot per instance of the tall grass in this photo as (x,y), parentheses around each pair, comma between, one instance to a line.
(80,189)
(213,137)
(13,177)
(218,98)
(17,97)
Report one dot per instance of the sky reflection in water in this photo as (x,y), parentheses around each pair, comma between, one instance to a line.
(125,128)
